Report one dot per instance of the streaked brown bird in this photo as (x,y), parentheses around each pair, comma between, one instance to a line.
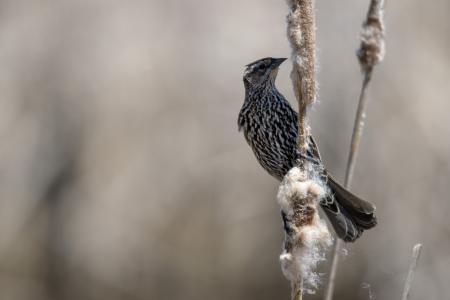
(270,127)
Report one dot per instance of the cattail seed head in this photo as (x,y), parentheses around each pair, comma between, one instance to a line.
(301,35)
(299,196)
(372,49)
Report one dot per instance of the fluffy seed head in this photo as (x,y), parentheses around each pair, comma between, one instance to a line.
(372,49)
(308,238)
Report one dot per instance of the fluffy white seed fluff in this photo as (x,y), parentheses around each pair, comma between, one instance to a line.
(308,242)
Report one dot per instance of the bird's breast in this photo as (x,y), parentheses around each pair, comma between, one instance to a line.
(271,141)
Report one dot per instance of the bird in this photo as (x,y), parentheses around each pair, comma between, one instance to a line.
(269,125)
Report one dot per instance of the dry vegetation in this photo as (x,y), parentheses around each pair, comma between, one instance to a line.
(123,175)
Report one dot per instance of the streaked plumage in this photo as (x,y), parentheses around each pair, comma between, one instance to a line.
(270,127)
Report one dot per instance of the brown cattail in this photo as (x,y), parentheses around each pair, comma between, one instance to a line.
(372,48)
(301,189)
(307,236)
(370,53)
(301,35)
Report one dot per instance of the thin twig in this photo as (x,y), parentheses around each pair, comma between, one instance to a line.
(412,267)
(370,53)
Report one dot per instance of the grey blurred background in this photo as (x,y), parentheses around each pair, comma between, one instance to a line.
(123,175)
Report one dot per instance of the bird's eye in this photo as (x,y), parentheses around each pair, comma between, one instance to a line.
(261,66)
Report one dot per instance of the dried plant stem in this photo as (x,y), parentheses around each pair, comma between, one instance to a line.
(370,53)
(302,131)
(356,138)
(301,35)
(357,129)
(412,267)
(297,290)
(329,290)
(305,81)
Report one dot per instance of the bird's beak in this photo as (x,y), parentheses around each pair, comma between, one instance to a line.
(277,62)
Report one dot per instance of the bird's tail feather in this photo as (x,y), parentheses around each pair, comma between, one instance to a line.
(348,214)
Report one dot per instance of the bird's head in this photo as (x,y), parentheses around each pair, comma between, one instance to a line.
(262,72)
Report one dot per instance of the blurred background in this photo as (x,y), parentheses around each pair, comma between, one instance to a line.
(123,175)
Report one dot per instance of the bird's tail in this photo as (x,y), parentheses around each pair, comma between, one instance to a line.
(348,214)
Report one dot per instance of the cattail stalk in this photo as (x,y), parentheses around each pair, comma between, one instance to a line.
(412,267)
(302,37)
(370,53)
(306,235)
